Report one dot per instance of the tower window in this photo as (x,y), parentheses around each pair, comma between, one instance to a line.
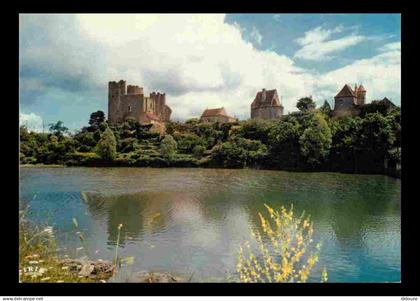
(129,108)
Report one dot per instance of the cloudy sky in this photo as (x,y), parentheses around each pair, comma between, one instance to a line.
(201,61)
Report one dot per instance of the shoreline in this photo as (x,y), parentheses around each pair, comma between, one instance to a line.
(43,165)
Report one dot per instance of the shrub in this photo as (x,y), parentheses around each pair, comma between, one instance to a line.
(239,152)
(83,159)
(286,254)
(198,151)
(168,147)
(182,160)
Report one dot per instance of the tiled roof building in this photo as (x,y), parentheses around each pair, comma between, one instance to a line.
(266,105)
(216,115)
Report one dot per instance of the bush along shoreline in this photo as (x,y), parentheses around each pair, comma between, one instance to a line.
(307,140)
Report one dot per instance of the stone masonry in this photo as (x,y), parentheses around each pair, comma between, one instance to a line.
(130,101)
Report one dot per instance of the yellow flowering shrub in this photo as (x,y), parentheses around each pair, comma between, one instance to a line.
(286,254)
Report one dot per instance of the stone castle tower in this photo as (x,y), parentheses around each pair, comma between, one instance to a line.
(130,101)
(348,101)
(266,105)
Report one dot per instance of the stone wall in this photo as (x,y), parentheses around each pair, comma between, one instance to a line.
(345,106)
(124,103)
(272,112)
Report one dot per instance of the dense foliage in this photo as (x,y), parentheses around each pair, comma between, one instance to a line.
(309,139)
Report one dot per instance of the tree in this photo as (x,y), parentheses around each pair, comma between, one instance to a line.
(375,138)
(186,142)
(107,146)
(344,143)
(168,147)
(306,104)
(58,129)
(315,141)
(192,121)
(198,151)
(326,108)
(284,147)
(239,152)
(96,118)
(255,129)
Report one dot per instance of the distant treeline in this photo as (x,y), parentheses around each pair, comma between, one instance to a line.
(307,140)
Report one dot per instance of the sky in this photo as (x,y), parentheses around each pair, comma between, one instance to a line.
(201,60)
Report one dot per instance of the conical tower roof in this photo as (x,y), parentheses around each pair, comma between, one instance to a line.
(346,92)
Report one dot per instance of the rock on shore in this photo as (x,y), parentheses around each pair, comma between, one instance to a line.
(86,268)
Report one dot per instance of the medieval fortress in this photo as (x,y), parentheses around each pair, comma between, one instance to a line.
(130,101)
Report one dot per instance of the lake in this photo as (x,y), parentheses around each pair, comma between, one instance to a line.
(190,221)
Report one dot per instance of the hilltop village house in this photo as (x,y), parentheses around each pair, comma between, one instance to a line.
(266,105)
(132,102)
(216,115)
(349,102)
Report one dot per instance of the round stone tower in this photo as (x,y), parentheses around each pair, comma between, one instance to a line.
(361,95)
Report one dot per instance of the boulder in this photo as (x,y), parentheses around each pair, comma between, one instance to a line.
(155,277)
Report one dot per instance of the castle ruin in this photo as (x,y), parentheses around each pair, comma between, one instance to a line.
(130,101)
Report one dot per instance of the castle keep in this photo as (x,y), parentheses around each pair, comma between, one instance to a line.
(266,105)
(130,101)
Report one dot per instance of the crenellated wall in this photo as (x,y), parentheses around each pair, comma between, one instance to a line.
(132,102)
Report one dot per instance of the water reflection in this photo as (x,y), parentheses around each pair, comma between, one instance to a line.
(185,220)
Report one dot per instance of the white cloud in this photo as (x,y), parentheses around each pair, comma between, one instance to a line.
(256,35)
(317,35)
(380,75)
(32,121)
(198,60)
(316,46)
(391,47)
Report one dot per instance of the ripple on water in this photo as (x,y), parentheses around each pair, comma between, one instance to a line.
(194,219)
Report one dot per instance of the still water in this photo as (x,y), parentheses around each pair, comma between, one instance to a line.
(190,222)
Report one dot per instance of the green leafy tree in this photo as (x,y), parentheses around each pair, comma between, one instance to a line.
(255,129)
(198,150)
(284,147)
(375,138)
(58,129)
(315,141)
(168,147)
(95,120)
(239,152)
(326,108)
(85,140)
(107,146)
(306,104)
(187,141)
(344,143)
(192,121)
